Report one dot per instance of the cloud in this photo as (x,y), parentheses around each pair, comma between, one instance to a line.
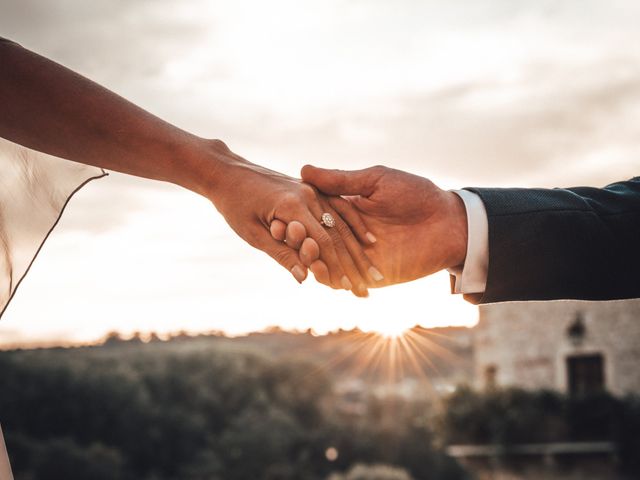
(118,43)
(531,129)
(539,125)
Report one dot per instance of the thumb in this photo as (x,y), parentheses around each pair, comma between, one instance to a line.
(285,256)
(342,182)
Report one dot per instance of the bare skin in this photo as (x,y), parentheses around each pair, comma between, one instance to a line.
(420,228)
(51,109)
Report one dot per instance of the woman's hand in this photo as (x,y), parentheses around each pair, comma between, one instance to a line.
(281,216)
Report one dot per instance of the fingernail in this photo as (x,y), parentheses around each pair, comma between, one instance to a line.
(371,237)
(375,274)
(346,284)
(362,290)
(298,273)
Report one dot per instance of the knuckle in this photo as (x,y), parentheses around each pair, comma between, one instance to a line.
(307,192)
(219,145)
(253,238)
(362,258)
(289,201)
(378,170)
(344,230)
(338,202)
(282,256)
(325,240)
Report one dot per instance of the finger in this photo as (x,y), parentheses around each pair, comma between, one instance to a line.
(309,251)
(328,254)
(355,262)
(357,254)
(338,234)
(295,234)
(320,272)
(278,229)
(342,182)
(353,218)
(285,256)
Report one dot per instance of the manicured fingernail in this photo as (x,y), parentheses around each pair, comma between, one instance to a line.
(375,274)
(371,237)
(362,290)
(346,284)
(298,273)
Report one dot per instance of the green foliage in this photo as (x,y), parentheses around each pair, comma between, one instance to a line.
(511,416)
(503,417)
(63,458)
(158,411)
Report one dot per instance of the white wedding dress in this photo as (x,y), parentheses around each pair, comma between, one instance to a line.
(34,190)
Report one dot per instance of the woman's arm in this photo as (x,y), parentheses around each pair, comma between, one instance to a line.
(49,108)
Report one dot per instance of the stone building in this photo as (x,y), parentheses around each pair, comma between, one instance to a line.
(568,346)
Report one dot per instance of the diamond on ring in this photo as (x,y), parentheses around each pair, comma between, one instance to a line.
(327,220)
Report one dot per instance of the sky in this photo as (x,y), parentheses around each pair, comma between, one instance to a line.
(467,93)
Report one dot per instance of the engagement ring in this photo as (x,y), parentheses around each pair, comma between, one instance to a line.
(327,220)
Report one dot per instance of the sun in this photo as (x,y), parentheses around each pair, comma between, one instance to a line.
(391,330)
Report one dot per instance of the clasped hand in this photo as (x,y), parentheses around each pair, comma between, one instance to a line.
(281,216)
(390,226)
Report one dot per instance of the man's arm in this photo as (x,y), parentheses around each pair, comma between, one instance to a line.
(574,243)
(578,243)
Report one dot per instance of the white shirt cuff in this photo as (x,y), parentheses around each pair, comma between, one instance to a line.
(472,277)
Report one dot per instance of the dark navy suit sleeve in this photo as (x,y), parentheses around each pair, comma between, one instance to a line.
(573,243)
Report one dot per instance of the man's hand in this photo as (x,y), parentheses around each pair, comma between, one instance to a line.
(420,228)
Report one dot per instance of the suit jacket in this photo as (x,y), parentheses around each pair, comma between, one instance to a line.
(573,243)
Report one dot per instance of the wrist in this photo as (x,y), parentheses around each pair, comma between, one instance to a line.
(208,167)
(456,231)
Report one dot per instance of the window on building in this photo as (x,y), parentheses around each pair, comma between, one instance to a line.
(490,374)
(585,374)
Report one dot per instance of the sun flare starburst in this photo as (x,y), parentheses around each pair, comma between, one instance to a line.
(393,354)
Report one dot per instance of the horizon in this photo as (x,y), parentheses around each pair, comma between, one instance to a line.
(149,336)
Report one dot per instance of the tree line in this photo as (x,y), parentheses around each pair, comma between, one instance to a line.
(156,412)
